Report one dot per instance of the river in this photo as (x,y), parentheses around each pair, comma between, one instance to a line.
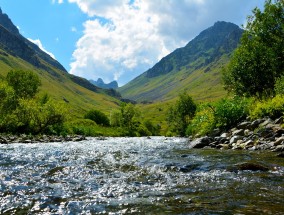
(136,176)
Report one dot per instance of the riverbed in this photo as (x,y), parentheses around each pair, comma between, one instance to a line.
(154,175)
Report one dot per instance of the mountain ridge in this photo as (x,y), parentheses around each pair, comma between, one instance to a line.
(17,52)
(204,54)
(100,83)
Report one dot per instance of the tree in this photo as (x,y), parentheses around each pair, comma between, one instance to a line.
(24,83)
(259,60)
(97,116)
(128,114)
(179,115)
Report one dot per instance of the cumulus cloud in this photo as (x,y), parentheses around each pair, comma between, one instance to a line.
(39,44)
(123,38)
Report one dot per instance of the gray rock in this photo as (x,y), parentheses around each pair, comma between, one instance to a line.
(279,141)
(239,132)
(279,148)
(256,123)
(251,166)
(244,125)
(200,142)
(225,135)
(234,139)
(279,120)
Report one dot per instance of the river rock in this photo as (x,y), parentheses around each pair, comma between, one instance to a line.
(279,141)
(279,148)
(244,125)
(256,123)
(235,138)
(225,135)
(200,142)
(251,166)
(239,132)
(279,120)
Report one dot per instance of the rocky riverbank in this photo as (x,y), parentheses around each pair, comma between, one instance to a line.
(7,139)
(261,134)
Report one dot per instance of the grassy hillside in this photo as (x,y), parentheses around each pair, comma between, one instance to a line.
(196,68)
(58,84)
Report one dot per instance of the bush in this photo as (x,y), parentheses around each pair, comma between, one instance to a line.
(273,108)
(85,127)
(229,112)
(180,114)
(97,116)
(203,121)
(153,129)
(224,115)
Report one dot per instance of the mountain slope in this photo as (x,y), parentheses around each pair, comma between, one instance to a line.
(16,52)
(194,68)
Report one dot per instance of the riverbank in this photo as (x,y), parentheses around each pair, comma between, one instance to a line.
(7,139)
(260,134)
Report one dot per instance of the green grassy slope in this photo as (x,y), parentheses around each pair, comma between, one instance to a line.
(196,68)
(59,85)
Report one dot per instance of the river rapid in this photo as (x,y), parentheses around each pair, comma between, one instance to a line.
(136,176)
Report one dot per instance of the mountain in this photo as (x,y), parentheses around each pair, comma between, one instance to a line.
(17,52)
(100,83)
(194,68)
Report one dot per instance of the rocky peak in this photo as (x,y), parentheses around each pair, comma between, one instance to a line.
(6,22)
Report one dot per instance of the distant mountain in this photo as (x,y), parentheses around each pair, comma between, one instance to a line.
(100,83)
(17,52)
(194,68)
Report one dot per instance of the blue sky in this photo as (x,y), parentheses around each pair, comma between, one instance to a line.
(118,39)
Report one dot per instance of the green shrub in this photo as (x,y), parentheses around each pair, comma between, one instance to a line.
(85,127)
(273,108)
(180,114)
(97,116)
(229,112)
(203,121)
(153,129)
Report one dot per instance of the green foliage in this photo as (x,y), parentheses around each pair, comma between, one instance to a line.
(179,115)
(21,112)
(279,86)
(229,112)
(129,115)
(24,83)
(85,127)
(203,122)
(97,116)
(223,114)
(269,108)
(153,129)
(259,60)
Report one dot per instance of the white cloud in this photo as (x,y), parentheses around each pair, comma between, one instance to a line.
(122,40)
(39,44)
(57,1)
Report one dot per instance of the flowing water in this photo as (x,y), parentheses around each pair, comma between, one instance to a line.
(136,176)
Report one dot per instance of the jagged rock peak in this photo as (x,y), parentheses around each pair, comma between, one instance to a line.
(6,22)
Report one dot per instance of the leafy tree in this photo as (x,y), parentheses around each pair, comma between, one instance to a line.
(259,60)
(24,83)
(97,116)
(128,114)
(21,112)
(179,115)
